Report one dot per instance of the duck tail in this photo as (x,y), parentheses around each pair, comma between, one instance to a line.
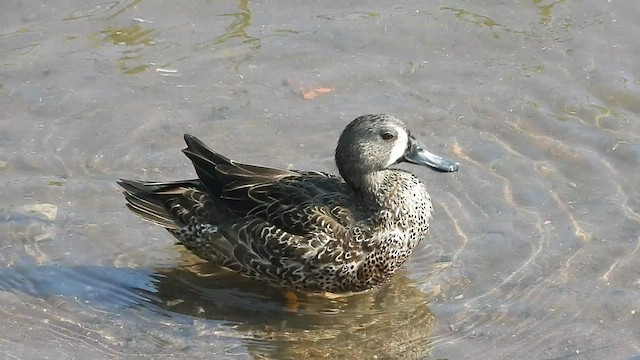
(173,205)
(143,199)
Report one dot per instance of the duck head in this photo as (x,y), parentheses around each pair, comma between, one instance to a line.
(372,143)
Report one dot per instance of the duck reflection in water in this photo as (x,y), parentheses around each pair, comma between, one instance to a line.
(391,322)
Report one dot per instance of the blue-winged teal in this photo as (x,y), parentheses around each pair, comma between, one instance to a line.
(306,230)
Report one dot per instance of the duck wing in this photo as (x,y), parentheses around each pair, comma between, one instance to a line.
(288,199)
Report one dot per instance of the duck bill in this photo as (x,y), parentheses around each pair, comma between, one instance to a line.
(417,155)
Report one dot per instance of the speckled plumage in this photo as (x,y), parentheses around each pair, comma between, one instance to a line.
(311,231)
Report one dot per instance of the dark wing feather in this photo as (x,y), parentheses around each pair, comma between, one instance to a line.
(281,197)
(216,171)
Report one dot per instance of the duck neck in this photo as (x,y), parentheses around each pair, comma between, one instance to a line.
(376,188)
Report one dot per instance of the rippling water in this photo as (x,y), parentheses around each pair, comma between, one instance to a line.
(534,249)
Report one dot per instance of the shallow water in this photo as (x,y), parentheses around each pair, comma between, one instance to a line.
(534,249)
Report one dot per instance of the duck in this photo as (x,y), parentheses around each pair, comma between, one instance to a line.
(308,231)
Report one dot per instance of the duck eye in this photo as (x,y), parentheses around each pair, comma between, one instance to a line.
(387,136)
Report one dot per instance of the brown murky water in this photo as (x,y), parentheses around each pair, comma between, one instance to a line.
(534,249)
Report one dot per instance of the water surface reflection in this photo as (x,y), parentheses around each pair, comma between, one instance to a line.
(392,322)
